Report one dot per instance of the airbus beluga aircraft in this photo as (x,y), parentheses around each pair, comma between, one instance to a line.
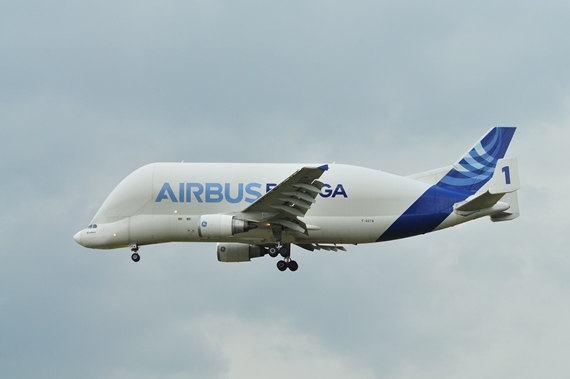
(252,210)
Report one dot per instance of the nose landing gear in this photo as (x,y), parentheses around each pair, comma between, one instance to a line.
(135,256)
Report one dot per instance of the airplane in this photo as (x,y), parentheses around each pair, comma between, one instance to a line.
(252,210)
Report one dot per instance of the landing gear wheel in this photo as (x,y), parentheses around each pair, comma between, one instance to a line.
(136,257)
(293,266)
(273,252)
(282,265)
(284,251)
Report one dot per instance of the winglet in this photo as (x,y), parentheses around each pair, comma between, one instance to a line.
(324,167)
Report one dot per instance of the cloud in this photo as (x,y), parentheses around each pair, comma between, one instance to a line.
(92,91)
(273,348)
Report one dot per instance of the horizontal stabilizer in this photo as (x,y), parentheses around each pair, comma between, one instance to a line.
(477,203)
(511,213)
(500,200)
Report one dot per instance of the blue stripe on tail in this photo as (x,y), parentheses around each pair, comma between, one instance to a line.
(477,166)
(465,178)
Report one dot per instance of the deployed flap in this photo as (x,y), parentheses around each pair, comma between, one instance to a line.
(316,246)
(290,199)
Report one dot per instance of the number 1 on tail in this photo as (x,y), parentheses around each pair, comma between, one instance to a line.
(507,173)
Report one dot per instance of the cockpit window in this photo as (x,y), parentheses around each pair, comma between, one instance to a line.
(92,226)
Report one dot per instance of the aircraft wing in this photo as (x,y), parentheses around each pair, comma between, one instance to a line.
(289,200)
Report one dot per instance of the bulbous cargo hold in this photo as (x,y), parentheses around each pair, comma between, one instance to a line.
(262,209)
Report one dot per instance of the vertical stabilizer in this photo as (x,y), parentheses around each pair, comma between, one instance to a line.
(477,166)
(457,187)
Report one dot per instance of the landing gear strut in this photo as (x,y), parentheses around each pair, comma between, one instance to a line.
(285,252)
(135,256)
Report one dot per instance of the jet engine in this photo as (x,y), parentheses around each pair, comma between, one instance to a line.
(218,225)
(238,252)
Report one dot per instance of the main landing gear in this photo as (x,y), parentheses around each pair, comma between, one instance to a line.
(285,252)
(135,257)
(287,264)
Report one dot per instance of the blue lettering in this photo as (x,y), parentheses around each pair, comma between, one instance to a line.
(217,192)
(165,193)
(199,189)
(251,189)
(214,193)
(228,193)
(326,191)
(339,190)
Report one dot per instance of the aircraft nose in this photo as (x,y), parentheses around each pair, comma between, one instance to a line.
(77,237)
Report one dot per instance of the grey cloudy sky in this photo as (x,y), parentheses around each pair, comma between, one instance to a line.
(89,91)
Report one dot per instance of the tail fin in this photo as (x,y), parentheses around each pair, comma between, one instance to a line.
(457,189)
(477,166)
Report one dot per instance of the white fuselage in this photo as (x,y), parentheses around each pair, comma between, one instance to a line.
(163,202)
(256,209)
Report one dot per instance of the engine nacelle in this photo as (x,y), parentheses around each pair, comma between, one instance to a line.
(238,252)
(218,225)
